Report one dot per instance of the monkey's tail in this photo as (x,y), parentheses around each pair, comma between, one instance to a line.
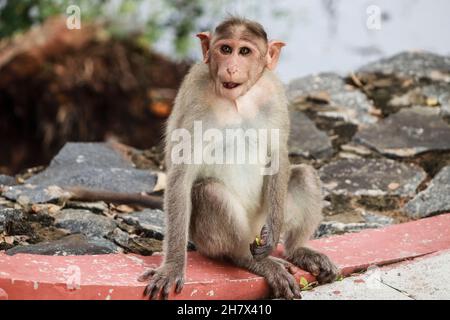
(144,200)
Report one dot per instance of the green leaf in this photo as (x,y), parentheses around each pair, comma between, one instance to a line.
(303,282)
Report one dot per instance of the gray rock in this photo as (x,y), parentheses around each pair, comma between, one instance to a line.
(371,177)
(7,180)
(328,228)
(3,213)
(433,200)
(97,207)
(440,92)
(76,244)
(30,194)
(444,101)
(445,109)
(85,222)
(407,133)
(435,95)
(411,64)
(305,139)
(92,165)
(152,222)
(344,102)
(14,218)
(370,217)
(120,237)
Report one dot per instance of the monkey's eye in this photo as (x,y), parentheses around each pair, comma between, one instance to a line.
(226,49)
(245,51)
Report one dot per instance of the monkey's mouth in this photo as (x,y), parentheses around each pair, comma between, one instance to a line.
(230,85)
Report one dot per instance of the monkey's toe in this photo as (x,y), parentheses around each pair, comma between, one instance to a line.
(284,285)
(316,263)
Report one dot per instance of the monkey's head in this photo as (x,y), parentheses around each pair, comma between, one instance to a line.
(238,53)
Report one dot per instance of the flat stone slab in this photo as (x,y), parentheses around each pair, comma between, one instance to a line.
(363,287)
(433,200)
(7,180)
(340,100)
(305,139)
(371,177)
(92,165)
(76,244)
(151,221)
(407,133)
(85,222)
(114,276)
(412,64)
(328,228)
(425,278)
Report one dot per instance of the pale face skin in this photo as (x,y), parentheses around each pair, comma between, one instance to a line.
(237,62)
(236,65)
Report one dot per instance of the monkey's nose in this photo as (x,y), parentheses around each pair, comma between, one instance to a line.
(232,70)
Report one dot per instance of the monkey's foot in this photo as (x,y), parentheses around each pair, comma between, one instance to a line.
(316,263)
(162,281)
(275,271)
(283,283)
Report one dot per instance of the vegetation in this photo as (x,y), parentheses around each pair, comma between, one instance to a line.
(146,20)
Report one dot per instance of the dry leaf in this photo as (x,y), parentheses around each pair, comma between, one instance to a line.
(124,208)
(393,186)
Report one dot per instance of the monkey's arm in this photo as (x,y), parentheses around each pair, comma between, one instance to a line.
(275,192)
(177,205)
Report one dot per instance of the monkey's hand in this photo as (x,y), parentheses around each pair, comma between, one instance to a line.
(163,279)
(262,247)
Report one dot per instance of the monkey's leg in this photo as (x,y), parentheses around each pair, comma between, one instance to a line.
(303,215)
(220,229)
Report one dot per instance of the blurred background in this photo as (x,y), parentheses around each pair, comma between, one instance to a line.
(115,78)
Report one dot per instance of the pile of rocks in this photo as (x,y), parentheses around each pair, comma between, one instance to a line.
(37,216)
(380,139)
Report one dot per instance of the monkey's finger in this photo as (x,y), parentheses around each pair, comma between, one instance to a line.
(179,285)
(292,269)
(260,252)
(287,292)
(149,288)
(328,274)
(166,290)
(146,275)
(153,288)
(295,288)
(156,289)
(264,234)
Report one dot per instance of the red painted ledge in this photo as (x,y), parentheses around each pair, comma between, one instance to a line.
(25,276)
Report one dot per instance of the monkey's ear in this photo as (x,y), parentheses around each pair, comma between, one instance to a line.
(273,53)
(205,38)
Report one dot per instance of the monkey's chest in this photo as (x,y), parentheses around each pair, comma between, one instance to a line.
(236,156)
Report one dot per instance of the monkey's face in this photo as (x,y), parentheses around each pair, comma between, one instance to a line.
(236,65)
(237,57)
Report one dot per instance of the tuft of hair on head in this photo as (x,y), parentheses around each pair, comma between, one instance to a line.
(226,27)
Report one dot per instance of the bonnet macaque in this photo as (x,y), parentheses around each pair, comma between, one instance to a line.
(223,206)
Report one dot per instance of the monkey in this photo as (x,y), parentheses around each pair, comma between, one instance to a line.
(222,206)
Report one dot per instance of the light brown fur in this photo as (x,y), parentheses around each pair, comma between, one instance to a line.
(222,207)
